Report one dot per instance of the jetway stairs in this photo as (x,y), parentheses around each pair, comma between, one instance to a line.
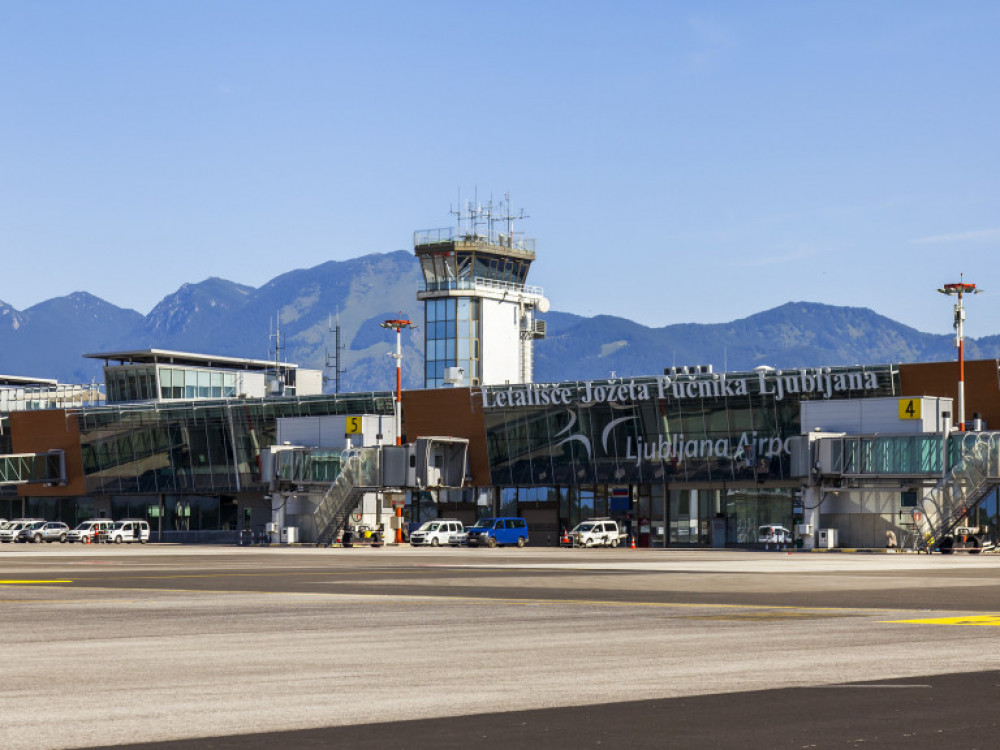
(48,468)
(974,474)
(430,462)
(359,472)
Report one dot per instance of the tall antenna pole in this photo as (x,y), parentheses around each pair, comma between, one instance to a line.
(337,349)
(960,289)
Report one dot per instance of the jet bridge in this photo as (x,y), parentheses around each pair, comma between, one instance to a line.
(47,468)
(951,473)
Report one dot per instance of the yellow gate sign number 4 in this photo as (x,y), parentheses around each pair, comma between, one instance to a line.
(354,425)
(909,408)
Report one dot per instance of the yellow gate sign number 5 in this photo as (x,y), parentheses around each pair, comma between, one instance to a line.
(909,408)
(354,425)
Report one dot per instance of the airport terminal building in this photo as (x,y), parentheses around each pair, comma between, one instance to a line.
(688,458)
(683,458)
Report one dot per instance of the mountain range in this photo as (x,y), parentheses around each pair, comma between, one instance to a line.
(301,309)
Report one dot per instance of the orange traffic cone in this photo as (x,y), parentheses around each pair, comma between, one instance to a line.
(631,542)
(565,538)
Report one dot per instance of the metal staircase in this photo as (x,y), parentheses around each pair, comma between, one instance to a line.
(975,473)
(359,473)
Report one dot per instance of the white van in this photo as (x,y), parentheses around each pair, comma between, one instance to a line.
(129,530)
(90,530)
(596,532)
(436,533)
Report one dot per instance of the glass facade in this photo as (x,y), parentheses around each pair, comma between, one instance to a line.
(678,461)
(732,428)
(207,447)
(452,330)
(127,383)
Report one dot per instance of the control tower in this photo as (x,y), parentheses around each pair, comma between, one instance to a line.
(480,317)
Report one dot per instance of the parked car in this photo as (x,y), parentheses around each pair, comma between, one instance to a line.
(127,531)
(9,532)
(490,532)
(772,534)
(90,530)
(436,533)
(593,532)
(461,539)
(43,531)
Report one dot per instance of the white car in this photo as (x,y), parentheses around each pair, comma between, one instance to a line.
(129,530)
(436,533)
(596,532)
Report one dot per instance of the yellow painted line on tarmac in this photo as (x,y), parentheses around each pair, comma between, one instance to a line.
(993,620)
(32,582)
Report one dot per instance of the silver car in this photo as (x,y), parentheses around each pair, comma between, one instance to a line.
(43,531)
(9,532)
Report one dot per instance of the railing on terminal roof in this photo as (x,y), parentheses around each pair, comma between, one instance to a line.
(480,283)
(450,234)
(380,402)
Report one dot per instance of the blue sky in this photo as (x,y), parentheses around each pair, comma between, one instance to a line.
(679,161)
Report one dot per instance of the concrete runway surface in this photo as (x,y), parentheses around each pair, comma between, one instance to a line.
(219,647)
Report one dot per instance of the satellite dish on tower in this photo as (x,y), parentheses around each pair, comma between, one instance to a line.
(543,305)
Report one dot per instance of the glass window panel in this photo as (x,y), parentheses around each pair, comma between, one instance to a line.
(450,329)
(462,352)
(450,349)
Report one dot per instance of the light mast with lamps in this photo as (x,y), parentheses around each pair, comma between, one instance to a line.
(960,289)
(398,325)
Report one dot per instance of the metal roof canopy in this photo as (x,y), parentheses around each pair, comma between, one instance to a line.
(166,356)
(17,380)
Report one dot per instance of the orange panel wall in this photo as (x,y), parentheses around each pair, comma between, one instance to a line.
(982,386)
(50,429)
(451,412)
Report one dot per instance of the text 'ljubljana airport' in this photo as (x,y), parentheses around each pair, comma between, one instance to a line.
(216,449)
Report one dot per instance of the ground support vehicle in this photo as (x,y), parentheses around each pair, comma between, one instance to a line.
(971,539)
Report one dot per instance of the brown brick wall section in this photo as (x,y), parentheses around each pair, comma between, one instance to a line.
(982,386)
(451,412)
(51,429)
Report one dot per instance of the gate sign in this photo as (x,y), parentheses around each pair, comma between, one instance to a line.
(356,517)
(909,408)
(353,426)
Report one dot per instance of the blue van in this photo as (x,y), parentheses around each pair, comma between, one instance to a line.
(489,532)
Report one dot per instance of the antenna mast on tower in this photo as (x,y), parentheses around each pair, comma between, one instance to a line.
(337,349)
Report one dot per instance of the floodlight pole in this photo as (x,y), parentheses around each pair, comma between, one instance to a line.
(958,290)
(398,326)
